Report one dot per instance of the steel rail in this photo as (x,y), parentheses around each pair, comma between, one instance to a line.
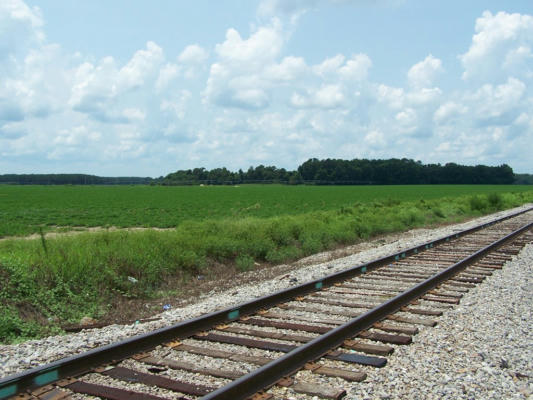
(85,362)
(288,364)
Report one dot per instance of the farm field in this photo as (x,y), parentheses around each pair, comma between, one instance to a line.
(218,231)
(26,209)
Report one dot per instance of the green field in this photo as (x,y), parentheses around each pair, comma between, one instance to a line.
(25,209)
(217,231)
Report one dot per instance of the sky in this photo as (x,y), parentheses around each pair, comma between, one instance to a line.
(139,88)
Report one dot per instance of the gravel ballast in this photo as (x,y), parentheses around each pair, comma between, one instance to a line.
(482,348)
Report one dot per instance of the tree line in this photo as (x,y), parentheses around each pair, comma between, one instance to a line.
(402,171)
(314,171)
(70,179)
(350,172)
(523,179)
(218,176)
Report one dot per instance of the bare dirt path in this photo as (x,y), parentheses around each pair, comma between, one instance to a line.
(77,230)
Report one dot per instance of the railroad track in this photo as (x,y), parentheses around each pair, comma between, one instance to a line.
(337,326)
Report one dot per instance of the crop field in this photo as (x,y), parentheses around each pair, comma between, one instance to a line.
(217,231)
(26,209)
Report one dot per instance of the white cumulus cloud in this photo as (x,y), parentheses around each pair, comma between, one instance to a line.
(178,105)
(423,96)
(423,74)
(392,96)
(142,64)
(167,74)
(247,69)
(20,26)
(375,139)
(289,69)
(502,45)
(448,111)
(193,54)
(326,97)
(329,65)
(356,68)
(96,88)
(493,101)
(263,46)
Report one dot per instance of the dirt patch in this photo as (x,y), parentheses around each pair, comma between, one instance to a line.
(28,312)
(77,230)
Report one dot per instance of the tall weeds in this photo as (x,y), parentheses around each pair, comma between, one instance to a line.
(69,276)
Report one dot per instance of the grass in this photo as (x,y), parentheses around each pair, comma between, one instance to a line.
(27,209)
(45,283)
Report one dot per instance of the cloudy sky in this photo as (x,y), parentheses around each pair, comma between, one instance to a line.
(132,87)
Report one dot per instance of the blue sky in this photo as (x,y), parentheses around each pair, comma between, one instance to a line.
(129,88)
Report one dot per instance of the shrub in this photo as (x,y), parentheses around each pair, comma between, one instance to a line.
(221,247)
(13,328)
(410,217)
(495,200)
(283,254)
(279,231)
(438,212)
(311,244)
(477,203)
(244,262)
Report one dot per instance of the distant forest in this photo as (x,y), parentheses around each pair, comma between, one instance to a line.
(313,171)
(351,172)
(70,179)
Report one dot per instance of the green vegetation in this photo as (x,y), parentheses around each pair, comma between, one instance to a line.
(71,179)
(523,179)
(45,282)
(341,172)
(27,209)
(392,171)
